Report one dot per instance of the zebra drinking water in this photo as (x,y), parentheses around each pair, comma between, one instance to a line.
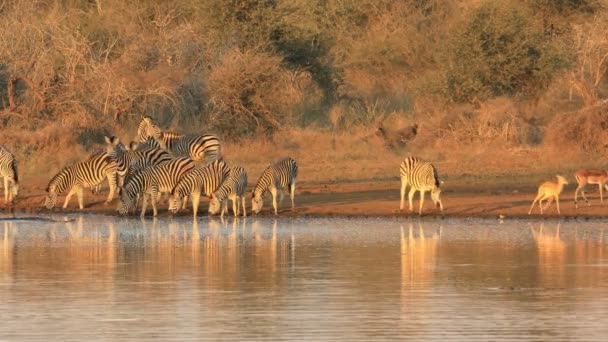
(275,178)
(233,188)
(151,181)
(420,176)
(201,180)
(87,174)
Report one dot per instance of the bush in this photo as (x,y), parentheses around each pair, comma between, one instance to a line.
(251,90)
(500,51)
(582,131)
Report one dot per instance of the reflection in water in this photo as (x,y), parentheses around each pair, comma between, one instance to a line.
(240,279)
(551,256)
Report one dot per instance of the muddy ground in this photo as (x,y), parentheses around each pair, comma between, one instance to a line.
(464,197)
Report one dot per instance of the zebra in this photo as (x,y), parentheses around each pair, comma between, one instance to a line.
(201,180)
(276,177)
(420,176)
(233,188)
(151,181)
(81,175)
(204,147)
(8,171)
(128,156)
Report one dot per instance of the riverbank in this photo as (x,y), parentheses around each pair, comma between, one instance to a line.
(462,197)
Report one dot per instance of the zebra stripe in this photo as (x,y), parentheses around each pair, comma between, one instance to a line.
(275,178)
(151,181)
(204,147)
(130,160)
(8,171)
(205,180)
(233,188)
(85,174)
(420,176)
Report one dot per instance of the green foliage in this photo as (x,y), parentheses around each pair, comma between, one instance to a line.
(500,51)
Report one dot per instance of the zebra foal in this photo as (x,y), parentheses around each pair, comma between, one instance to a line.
(204,147)
(201,180)
(274,179)
(151,182)
(420,176)
(233,188)
(8,171)
(87,174)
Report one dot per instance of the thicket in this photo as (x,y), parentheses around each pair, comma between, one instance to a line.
(247,67)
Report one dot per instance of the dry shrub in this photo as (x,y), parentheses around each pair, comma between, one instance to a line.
(582,131)
(251,90)
(497,121)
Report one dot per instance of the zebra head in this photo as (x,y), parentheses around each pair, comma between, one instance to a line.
(175,203)
(112,143)
(51,198)
(257,201)
(147,128)
(436,197)
(214,205)
(124,203)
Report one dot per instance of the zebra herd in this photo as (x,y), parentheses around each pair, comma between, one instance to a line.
(186,167)
(182,166)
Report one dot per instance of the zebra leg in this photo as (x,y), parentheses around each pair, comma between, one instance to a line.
(273,191)
(69,196)
(601,193)
(112,184)
(422,192)
(184,203)
(410,196)
(403,187)
(5,189)
(223,207)
(292,193)
(144,204)
(196,198)
(235,206)
(80,194)
(154,198)
(243,203)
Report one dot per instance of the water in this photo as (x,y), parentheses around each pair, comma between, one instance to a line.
(108,278)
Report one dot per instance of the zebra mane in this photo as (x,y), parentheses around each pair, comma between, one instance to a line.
(56,180)
(263,183)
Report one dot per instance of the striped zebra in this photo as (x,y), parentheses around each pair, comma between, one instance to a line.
(420,176)
(151,182)
(87,174)
(275,178)
(233,188)
(129,159)
(201,180)
(204,147)
(8,171)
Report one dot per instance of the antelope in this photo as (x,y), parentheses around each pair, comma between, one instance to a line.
(548,191)
(590,176)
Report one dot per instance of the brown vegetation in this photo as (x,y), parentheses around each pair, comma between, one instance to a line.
(346,87)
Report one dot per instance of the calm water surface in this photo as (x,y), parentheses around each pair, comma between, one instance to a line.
(108,278)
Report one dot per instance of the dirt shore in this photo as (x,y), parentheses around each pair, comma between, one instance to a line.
(465,197)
